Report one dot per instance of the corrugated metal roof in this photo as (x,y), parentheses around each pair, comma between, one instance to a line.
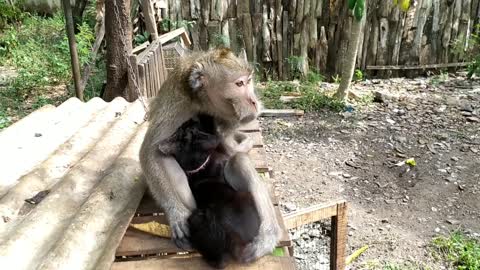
(86,155)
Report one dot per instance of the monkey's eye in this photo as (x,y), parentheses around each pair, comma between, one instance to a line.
(239,83)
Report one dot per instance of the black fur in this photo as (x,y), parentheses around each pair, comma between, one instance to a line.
(225,220)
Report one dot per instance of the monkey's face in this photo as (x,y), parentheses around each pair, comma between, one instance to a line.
(238,97)
(223,83)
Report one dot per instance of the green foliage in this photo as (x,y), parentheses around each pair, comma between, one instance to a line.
(336,79)
(473,52)
(351,4)
(96,80)
(311,98)
(359,9)
(358,75)
(295,63)
(403,4)
(141,38)
(461,251)
(169,25)
(4,119)
(39,50)
(10,14)
(220,40)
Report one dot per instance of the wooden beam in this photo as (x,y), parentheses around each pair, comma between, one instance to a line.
(404,67)
(140,47)
(196,263)
(338,236)
(175,33)
(311,214)
(280,113)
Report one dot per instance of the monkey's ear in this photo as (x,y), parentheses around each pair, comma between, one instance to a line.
(196,80)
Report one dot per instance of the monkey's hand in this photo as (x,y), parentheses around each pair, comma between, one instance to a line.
(264,243)
(177,218)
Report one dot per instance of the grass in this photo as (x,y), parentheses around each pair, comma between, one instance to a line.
(376,265)
(459,250)
(37,48)
(311,97)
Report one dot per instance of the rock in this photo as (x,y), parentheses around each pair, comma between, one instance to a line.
(437,230)
(315,233)
(454,158)
(290,206)
(38,135)
(473,119)
(440,109)
(466,114)
(434,209)
(346,175)
(466,107)
(453,221)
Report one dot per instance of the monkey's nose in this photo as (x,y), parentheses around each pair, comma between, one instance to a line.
(253,102)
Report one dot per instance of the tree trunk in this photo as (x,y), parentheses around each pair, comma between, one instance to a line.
(348,66)
(77,11)
(118,35)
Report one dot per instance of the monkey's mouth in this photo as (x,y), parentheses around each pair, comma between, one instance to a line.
(247,119)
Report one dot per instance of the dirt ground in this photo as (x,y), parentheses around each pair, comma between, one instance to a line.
(353,155)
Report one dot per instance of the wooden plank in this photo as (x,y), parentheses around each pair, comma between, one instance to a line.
(196,263)
(164,69)
(258,157)
(405,67)
(285,237)
(175,33)
(311,214)
(147,79)
(280,113)
(256,138)
(253,126)
(338,242)
(133,79)
(141,80)
(161,68)
(151,70)
(156,80)
(149,18)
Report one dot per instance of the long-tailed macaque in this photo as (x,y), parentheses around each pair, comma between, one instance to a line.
(218,84)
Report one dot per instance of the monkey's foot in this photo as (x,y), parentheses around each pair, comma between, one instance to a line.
(262,245)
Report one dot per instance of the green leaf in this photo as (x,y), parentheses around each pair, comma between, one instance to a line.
(405,5)
(278,252)
(359,8)
(351,4)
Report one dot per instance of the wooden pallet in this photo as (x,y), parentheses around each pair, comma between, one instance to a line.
(145,251)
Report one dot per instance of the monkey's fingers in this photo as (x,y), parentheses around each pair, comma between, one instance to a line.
(180,235)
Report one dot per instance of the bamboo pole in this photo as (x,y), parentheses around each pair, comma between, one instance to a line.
(67,10)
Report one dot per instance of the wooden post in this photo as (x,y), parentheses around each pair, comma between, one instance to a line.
(338,238)
(67,10)
(149,14)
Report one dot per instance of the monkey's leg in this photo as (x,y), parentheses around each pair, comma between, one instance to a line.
(240,173)
(169,187)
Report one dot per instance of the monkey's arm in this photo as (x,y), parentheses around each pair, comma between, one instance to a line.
(169,187)
(240,173)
